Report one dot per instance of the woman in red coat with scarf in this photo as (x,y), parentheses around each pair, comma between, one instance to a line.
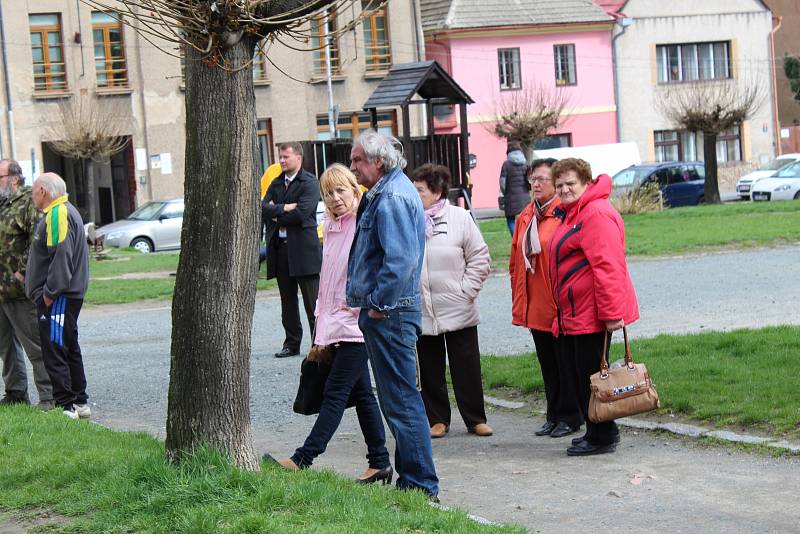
(591,287)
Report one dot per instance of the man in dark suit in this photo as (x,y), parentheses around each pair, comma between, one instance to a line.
(294,256)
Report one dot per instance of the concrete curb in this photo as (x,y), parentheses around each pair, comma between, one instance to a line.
(680,429)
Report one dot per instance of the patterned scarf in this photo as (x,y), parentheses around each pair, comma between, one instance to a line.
(530,241)
(430,213)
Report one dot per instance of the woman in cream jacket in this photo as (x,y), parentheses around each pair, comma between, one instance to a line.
(455,266)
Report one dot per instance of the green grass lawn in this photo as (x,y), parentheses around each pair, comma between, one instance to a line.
(106,481)
(680,230)
(126,261)
(744,377)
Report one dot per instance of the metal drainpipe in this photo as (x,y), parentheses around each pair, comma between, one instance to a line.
(775,117)
(616,76)
(142,103)
(10,108)
(418,48)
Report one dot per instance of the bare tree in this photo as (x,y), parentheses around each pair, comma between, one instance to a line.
(212,308)
(88,130)
(710,107)
(528,115)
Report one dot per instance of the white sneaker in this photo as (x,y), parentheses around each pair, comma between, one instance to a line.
(83,411)
(71,413)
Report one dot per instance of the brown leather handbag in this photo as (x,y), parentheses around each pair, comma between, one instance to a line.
(623,391)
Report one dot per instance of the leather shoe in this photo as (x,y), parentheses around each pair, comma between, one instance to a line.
(286,463)
(439,430)
(562,429)
(382,475)
(547,427)
(481,429)
(575,441)
(584,448)
(285,353)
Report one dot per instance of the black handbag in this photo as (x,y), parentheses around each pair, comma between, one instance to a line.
(313,376)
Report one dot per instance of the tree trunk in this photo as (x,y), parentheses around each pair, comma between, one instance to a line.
(528,150)
(712,181)
(88,173)
(212,308)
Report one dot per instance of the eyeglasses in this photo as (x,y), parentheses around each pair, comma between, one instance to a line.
(538,179)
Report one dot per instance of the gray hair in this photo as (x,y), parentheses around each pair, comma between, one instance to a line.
(53,184)
(384,148)
(13,169)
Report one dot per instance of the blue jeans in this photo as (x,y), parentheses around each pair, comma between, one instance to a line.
(391,345)
(349,377)
(510,222)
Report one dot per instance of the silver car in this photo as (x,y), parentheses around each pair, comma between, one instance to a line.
(156,225)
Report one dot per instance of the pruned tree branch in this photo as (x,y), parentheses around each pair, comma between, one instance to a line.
(528,115)
(710,106)
(209,26)
(88,129)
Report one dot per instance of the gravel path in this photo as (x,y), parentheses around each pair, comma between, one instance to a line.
(513,476)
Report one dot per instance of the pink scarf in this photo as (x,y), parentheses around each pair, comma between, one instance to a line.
(430,213)
(531,247)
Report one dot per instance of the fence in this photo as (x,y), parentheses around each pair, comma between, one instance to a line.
(442,149)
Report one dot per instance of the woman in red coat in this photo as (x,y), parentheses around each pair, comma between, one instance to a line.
(532,296)
(591,287)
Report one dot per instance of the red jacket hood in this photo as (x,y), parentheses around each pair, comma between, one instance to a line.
(599,188)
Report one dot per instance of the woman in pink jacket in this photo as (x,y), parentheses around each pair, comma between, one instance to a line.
(337,327)
(591,287)
(455,266)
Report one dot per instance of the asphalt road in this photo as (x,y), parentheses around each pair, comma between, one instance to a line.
(512,476)
(127,347)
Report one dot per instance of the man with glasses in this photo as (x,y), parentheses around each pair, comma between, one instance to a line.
(18,326)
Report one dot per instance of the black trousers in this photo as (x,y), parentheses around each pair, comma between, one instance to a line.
(581,355)
(460,347)
(58,333)
(559,387)
(349,379)
(287,287)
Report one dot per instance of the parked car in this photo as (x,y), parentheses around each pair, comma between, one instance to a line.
(745,183)
(156,225)
(682,182)
(783,185)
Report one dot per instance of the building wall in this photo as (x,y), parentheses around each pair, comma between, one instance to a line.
(787,40)
(153,104)
(591,113)
(745,23)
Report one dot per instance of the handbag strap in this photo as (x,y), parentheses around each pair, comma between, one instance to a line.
(607,348)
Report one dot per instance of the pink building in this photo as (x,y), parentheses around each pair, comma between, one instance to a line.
(494,49)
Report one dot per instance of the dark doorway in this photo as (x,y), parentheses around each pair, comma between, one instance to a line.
(116,201)
(105,200)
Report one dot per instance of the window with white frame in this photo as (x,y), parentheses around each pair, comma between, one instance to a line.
(690,62)
(729,145)
(564,57)
(508,63)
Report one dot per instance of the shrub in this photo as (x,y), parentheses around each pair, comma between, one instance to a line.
(639,200)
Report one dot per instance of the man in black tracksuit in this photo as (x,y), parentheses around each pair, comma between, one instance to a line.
(56,280)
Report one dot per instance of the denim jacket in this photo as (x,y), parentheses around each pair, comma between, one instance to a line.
(388,248)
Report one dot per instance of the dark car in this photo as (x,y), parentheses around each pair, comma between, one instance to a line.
(682,182)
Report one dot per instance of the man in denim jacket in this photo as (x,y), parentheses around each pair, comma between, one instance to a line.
(383,280)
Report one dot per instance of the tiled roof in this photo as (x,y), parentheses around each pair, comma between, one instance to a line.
(457,14)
